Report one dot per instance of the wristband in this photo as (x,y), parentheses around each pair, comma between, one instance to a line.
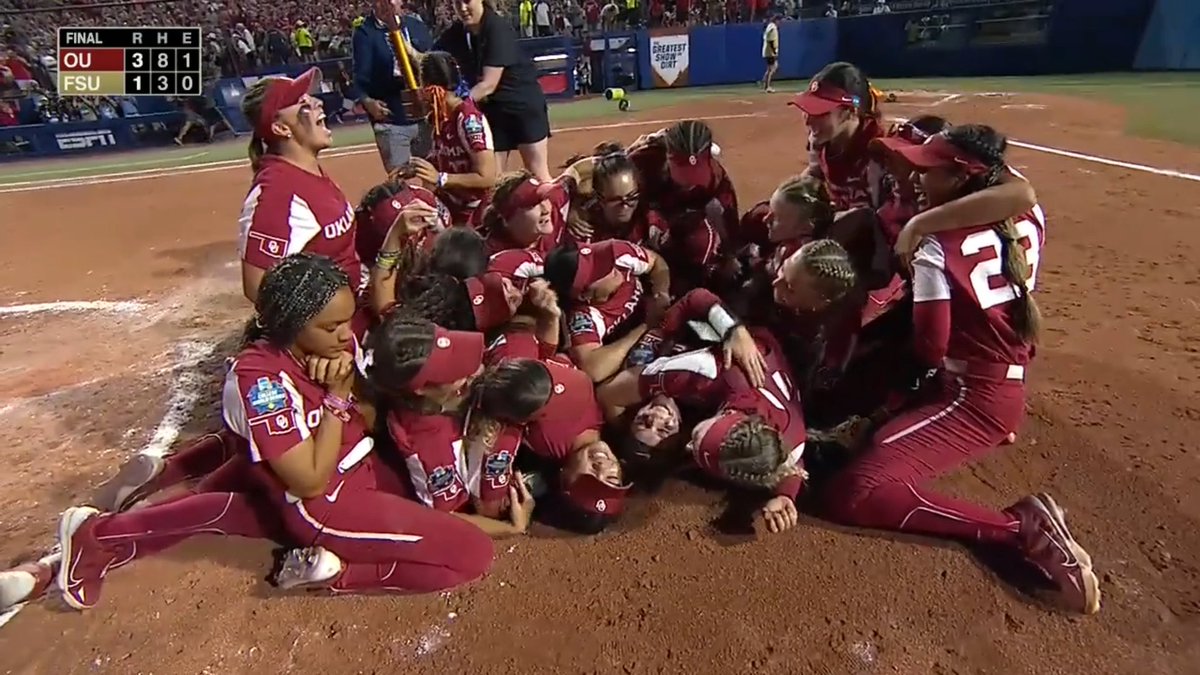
(441,181)
(387,260)
(340,407)
(722,321)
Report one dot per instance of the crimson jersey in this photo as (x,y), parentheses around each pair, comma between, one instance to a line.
(670,200)
(571,410)
(519,266)
(850,176)
(699,378)
(444,476)
(963,269)
(289,210)
(454,143)
(518,343)
(560,203)
(593,324)
(269,400)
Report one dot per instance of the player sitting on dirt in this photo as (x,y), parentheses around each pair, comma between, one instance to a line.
(462,165)
(305,473)
(600,289)
(975,325)
(380,210)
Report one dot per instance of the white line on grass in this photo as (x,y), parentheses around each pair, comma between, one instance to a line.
(62,306)
(348,151)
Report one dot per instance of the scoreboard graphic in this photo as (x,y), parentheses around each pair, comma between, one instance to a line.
(146,61)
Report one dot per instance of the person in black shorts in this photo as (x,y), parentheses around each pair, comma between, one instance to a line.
(505,85)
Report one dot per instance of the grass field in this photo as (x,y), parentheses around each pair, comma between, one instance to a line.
(1154,102)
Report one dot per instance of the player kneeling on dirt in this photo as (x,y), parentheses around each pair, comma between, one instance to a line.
(975,325)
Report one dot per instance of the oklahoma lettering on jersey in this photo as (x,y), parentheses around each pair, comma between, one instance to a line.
(289,210)
(963,267)
(592,324)
(269,400)
(464,134)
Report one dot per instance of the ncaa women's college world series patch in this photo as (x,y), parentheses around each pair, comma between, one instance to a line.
(270,404)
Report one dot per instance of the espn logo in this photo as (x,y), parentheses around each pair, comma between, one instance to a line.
(82,140)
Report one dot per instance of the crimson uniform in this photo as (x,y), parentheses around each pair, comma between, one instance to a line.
(519,266)
(963,320)
(289,210)
(670,198)
(646,227)
(455,141)
(699,378)
(443,475)
(571,411)
(593,324)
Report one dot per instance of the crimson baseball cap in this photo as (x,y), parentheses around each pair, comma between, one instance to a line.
(284,92)
(822,98)
(595,496)
(938,151)
(456,354)
(527,195)
(489,302)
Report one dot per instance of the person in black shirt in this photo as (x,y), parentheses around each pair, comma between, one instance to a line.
(504,82)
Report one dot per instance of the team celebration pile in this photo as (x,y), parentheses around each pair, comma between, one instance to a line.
(470,350)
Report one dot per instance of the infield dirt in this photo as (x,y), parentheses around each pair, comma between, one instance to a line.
(1111,432)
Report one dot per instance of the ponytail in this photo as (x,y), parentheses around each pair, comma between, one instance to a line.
(252,103)
(1014,265)
(256,151)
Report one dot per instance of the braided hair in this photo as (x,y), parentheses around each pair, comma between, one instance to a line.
(752,455)
(688,137)
(441,299)
(849,78)
(988,145)
(830,266)
(252,103)
(808,194)
(294,291)
(399,348)
(506,184)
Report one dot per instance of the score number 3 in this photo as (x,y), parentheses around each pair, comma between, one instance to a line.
(983,273)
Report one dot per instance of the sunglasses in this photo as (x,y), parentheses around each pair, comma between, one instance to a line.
(630,199)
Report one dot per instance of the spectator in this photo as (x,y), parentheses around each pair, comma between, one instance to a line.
(244,43)
(881,7)
(591,13)
(541,18)
(8,113)
(575,17)
(525,12)
(608,15)
(303,40)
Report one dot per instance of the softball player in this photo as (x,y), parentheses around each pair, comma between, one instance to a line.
(380,210)
(462,162)
(600,288)
(609,201)
(290,395)
(293,205)
(526,213)
(975,323)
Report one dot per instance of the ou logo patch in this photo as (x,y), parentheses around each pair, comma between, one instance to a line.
(601,506)
(273,247)
(313,418)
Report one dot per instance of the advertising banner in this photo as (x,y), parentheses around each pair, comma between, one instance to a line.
(669,57)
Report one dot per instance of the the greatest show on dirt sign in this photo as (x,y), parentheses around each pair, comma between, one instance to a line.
(669,57)
(143,61)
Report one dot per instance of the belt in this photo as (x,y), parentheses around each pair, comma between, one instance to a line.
(991,371)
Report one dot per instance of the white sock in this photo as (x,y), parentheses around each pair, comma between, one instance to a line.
(15,587)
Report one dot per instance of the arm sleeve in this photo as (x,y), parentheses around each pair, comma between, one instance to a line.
(362,63)
(274,224)
(695,306)
(630,256)
(433,461)
(931,303)
(582,328)
(475,133)
(489,480)
(264,407)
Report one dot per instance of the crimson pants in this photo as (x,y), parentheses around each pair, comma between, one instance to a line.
(884,488)
(385,542)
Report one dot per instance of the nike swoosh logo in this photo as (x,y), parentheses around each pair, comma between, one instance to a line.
(71,580)
(332,497)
